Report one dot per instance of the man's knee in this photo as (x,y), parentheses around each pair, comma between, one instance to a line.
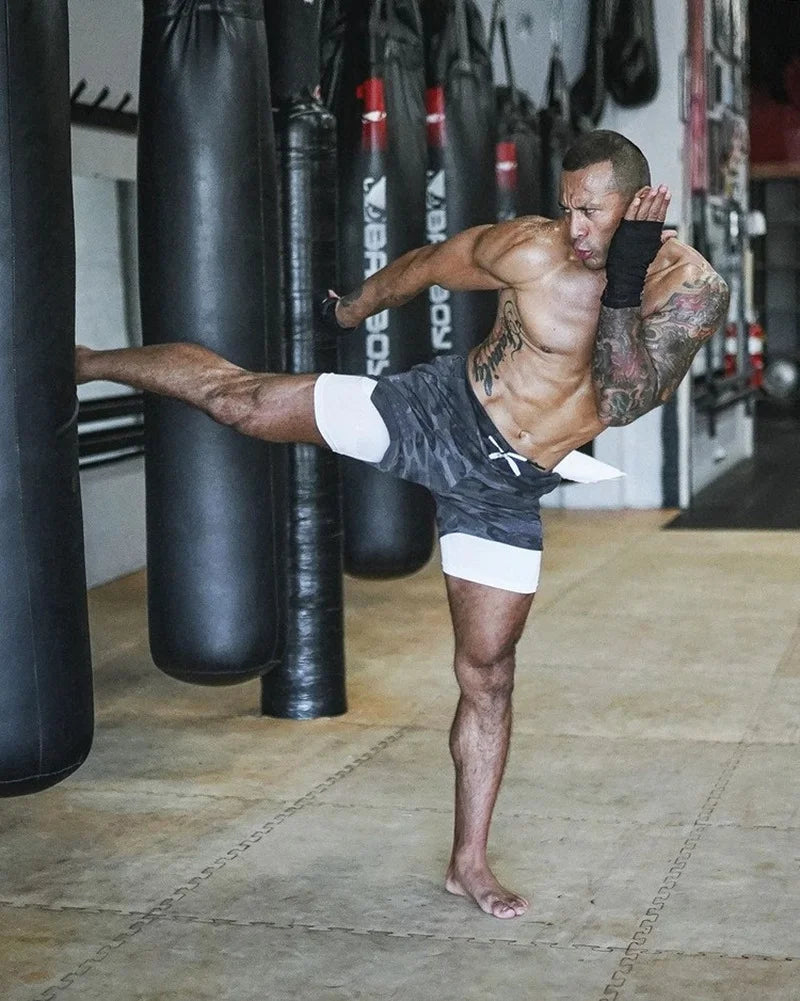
(486,672)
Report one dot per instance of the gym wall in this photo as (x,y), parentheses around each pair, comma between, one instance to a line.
(104,51)
(105,42)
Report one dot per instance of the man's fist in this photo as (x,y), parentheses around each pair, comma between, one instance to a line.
(649,205)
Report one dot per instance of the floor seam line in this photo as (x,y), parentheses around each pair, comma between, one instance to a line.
(698,829)
(161,909)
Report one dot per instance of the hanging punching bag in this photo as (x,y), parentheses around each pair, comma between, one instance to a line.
(373,81)
(308,680)
(461,159)
(556,133)
(588,94)
(518,160)
(632,57)
(207,211)
(46,711)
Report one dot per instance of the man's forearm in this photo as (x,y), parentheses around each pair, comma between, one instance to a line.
(394,285)
(623,374)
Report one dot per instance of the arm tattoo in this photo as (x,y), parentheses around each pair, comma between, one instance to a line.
(490,354)
(638,364)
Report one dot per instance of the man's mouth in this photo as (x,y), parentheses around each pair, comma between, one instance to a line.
(584,255)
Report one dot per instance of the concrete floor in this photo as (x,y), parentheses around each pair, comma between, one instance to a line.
(651,807)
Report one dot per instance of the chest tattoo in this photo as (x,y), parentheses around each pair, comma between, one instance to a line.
(487,359)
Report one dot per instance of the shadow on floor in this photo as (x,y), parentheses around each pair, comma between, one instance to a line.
(762,492)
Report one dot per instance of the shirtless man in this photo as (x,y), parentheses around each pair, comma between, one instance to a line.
(599,318)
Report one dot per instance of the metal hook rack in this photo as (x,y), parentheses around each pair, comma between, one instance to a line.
(97,115)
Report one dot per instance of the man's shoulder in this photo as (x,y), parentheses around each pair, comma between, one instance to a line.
(676,261)
(521,249)
(680,269)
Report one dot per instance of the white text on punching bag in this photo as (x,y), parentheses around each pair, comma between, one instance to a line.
(377,342)
(436,226)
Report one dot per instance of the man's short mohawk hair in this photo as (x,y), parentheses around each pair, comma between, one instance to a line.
(631,170)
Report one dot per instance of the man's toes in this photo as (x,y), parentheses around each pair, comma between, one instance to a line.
(500,909)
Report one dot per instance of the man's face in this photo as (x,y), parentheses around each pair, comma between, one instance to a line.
(593,209)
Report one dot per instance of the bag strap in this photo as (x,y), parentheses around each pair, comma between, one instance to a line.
(499,25)
(462,34)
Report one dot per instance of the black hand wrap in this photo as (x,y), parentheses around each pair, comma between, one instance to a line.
(633,249)
(326,310)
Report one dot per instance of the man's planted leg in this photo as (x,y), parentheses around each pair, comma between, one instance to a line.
(487,623)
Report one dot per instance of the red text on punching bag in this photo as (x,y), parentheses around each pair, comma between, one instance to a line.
(374,134)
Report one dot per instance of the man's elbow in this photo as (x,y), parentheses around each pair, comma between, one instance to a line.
(618,408)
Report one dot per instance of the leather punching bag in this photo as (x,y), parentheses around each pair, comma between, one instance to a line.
(632,56)
(461,160)
(207,216)
(308,681)
(557,134)
(518,161)
(46,710)
(373,81)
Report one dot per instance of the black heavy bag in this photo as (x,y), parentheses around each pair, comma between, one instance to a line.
(518,158)
(461,159)
(207,212)
(373,81)
(308,681)
(557,134)
(632,53)
(588,94)
(46,712)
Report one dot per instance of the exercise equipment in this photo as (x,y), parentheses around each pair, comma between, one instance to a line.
(461,159)
(518,157)
(781,380)
(45,673)
(308,680)
(557,134)
(373,81)
(207,220)
(632,53)
(588,93)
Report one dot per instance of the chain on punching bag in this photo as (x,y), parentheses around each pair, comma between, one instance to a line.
(373,81)
(461,160)
(557,134)
(207,209)
(518,160)
(588,94)
(45,671)
(308,681)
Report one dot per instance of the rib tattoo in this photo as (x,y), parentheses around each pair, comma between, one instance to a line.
(638,364)
(487,359)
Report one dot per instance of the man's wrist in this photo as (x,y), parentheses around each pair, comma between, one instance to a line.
(633,249)
(343,313)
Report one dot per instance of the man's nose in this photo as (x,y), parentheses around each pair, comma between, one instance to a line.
(577,228)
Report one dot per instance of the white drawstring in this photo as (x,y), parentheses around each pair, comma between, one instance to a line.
(508,456)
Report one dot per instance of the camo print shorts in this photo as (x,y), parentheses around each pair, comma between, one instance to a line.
(441,436)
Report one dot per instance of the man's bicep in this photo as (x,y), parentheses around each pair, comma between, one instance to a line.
(675,333)
(456,264)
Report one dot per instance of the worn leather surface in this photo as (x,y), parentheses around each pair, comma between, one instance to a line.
(46,709)
(207,217)
(374,83)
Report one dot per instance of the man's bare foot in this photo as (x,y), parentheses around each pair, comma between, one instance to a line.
(484,889)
